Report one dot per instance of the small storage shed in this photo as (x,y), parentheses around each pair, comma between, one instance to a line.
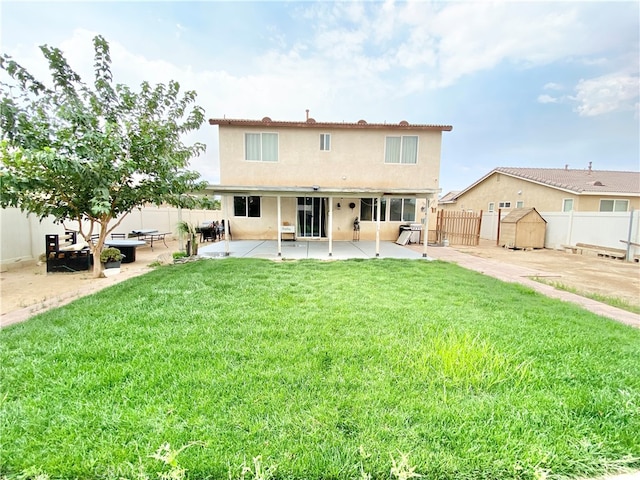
(523,228)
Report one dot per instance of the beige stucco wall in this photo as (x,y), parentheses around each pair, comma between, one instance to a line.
(356,159)
(503,188)
(265,226)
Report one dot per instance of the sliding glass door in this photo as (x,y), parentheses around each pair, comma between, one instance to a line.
(311,217)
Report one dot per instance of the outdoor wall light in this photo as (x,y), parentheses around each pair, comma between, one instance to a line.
(352,205)
(316,188)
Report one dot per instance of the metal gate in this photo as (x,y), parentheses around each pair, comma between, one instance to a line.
(458,228)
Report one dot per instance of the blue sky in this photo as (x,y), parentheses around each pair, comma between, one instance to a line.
(529,84)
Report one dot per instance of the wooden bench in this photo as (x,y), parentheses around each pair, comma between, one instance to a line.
(601,251)
(65,254)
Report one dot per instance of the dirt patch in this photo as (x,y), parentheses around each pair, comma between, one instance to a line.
(584,273)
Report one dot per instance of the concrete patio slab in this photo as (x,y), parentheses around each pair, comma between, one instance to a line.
(297,250)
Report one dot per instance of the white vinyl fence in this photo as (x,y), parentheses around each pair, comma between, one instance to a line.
(22,236)
(605,229)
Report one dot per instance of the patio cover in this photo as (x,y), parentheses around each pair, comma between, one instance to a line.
(318,191)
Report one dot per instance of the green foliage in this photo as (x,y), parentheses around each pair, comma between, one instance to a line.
(110,254)
(94,152)
(335,370)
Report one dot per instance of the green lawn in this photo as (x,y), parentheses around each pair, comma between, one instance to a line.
(324,370)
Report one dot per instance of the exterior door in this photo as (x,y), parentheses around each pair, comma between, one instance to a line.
(311,217)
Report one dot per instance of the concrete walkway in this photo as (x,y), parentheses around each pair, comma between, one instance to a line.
(523,275)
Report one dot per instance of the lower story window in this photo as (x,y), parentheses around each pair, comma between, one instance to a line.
(369,209)
(402,210)
(246,206)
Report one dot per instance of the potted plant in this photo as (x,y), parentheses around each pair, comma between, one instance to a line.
(192,237)
(111,257)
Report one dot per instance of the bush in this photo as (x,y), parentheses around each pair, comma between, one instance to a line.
(110,254)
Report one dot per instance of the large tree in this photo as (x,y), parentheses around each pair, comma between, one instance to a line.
(93,153)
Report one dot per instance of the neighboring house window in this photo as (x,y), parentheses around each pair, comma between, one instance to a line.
(504,204)
(402,210)
(325,141)
(261,147)
(567,205)
(519,204)
(614,205)
(401,149)
(369,209)
(246,206)
(492,207)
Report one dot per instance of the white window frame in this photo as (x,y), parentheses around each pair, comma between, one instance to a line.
(567,202)
(504,205)
(614,205)
(262,142)
(401,152)
(406,215)
(325,142)
(491,207)
(520,204)
(247,201)
(371,205)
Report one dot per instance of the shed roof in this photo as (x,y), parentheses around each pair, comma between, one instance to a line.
(519,213)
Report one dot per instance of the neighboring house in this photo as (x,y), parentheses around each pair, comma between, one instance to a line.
(549,190)
(316,178)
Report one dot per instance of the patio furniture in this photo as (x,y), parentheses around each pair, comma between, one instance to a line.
(65,254)
(126,247)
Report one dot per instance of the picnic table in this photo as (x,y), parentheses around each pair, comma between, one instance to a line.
(150,235)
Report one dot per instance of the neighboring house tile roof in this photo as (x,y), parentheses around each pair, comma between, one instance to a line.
(579,181)
(587,181)
(448,197)
(311,123)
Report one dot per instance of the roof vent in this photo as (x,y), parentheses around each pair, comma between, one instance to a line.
(404,123)
(266,119)
(311,120)
(597,183)
(362,122)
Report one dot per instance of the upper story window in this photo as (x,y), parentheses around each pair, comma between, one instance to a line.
(614,205)
(325,141)
(246,206)
(567,204)
(402,149)
(261,147)
(504,204)
(492,207)
(520,204)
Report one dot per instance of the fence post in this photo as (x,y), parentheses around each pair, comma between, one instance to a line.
(628,256)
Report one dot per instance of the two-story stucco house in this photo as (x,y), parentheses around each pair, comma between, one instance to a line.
(314,179)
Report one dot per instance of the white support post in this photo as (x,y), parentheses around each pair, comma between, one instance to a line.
(378,215)
(330,226)
(279,229)
(227,250)
(425,229)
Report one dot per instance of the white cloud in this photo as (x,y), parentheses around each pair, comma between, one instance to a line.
(547,99)
(553,86)
(608,93)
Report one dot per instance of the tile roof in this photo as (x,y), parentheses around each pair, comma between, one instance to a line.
(311,123)
(579,181)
